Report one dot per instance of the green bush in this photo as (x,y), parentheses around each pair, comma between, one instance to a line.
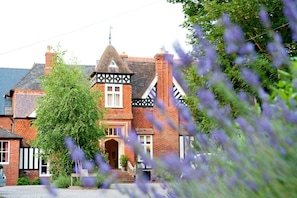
(36,181)
(62,181)
(23,181)
(100,179)
(124,160)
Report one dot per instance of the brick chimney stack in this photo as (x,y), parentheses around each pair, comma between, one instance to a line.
(124,56)
(50,59)
(164,72)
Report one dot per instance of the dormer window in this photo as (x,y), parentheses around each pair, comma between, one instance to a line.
(114,95)
(113,67)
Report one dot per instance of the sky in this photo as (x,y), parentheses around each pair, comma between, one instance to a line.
(140,28)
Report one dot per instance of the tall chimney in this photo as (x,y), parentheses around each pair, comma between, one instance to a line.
(124,56)
(163,62)
(50,60)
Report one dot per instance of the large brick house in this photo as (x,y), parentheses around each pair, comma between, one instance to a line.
(130,86)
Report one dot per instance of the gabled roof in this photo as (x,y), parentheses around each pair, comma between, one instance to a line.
(31,80)
(8,79)
(5,134)
(25,104)
(144,74)
(111,62)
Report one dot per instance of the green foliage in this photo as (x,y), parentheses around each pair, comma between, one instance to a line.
(23,181)
(284,88)
(100,178)
(62,181)
(124,160)
(68,108)
(36,181)
(207,15)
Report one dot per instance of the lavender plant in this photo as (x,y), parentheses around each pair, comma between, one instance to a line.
(259,158)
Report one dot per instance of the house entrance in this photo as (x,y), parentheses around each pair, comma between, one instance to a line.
(111,147)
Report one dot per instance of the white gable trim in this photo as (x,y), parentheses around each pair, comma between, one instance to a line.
(178,87)
(33,114)
(150,87)
(153,83)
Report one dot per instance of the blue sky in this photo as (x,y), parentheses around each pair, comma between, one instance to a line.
(139,28)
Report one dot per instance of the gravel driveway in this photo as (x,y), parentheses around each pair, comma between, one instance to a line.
(76,192)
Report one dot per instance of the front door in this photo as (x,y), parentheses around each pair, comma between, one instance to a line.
(111,147)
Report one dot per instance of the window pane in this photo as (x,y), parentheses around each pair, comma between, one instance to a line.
(142,139)
(5,157)
(117,100)
(117,89)
(109,99)
(148,139)
(109,88)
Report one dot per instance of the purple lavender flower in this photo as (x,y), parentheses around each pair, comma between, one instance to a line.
(89,165)
(88,181)
(185,58)
(246,48)
(141,183)
(251,185)
(278,51)
(207,98)
(77,154)
(290,7)
(220,137)
(150,117)
(233,35)
(46,182)
(69,143)
(250,77)
(264,18)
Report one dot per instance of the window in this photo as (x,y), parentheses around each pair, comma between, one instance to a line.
(4,152)
(113,95)
(44,168)
(185,144)
(113,131)
(147,145)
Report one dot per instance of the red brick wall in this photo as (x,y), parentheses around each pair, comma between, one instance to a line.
(5,123)
(12,169)
(139,120)
(22,127)
(118,113)
(166,141)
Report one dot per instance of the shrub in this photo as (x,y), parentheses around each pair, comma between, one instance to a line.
(124,160)
(23,181)
(36,181)
(100,178)
(62,181)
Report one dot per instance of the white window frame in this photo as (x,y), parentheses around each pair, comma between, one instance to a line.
(113,131)
(145,146)
(2,151)
(47,166)
(113,94)
(185,144)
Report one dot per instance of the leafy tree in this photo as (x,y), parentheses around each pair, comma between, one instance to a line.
(69,108)
(207,14)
